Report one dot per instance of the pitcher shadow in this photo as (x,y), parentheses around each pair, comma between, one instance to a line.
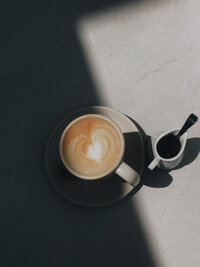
(157,178)
(192,150)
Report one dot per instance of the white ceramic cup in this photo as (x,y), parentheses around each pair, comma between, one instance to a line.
(122,169)
(168,163)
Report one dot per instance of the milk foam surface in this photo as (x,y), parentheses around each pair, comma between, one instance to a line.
(95,151)
(92,146)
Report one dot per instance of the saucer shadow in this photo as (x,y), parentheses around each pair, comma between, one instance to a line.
(192,150)
(157,178)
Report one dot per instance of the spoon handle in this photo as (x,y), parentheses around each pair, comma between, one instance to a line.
(189,122)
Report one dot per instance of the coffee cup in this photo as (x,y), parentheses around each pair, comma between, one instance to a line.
(167,153)
(92,147)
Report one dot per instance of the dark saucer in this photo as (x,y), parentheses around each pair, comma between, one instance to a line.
(99,192)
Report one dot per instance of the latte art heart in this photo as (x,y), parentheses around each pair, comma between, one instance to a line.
(92,146)
(95,151)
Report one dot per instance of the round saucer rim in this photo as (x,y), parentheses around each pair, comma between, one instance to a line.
(68,117)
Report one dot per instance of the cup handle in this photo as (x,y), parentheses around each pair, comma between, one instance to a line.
(153,164)
(128,174)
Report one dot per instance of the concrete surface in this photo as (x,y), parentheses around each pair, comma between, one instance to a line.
(145,61)
(139,57)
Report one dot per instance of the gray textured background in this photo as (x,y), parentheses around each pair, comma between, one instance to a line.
(140,57)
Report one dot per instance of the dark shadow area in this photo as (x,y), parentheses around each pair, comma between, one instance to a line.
(192,150)
(133,140)
(44,76)
(157,178)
